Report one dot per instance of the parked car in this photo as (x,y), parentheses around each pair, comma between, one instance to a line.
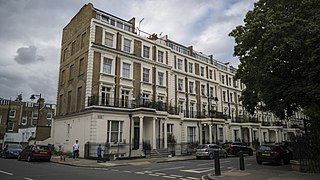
(273,153)
(208,150)
(11,150)
(236,147)
(35,152)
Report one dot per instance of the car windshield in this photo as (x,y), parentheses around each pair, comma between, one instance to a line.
(43,148)
(202,146)
(14,146)
(267,148)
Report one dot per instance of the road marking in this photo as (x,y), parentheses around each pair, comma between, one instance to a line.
(28,178)
(139,172)
(114,170)
(173,175)
(160,174)
(192,178)
(153,175)
(180,167)
(212,163)
(147,172)
(127,171)
(7,173)
(169,177)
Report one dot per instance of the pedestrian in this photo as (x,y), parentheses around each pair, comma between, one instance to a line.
(99,153)
(76,150)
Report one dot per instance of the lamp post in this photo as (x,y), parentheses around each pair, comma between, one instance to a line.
(33,97)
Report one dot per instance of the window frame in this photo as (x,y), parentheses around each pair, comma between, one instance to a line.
(146,75)
(107,67)
(146,52)
(127,47)
(126,71)
(108,39)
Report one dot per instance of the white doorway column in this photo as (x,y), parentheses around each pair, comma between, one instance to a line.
(250,136)
(141,132)
(154,133)
(210,133)
(165,133)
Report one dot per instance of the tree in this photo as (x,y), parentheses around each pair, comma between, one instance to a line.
(279,47)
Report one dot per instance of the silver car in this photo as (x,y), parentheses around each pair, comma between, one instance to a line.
(207,150)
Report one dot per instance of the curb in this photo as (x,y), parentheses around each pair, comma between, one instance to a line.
(174,160)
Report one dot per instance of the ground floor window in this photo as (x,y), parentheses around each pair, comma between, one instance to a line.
(191,131)
(114,133)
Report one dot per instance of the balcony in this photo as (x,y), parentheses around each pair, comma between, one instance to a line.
(126,103)
(245,119)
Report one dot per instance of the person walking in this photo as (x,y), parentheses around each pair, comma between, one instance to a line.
(76,150)
(99,153)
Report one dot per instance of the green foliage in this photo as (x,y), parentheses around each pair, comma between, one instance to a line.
(279,47)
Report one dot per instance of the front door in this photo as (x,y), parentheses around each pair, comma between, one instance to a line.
(136,136)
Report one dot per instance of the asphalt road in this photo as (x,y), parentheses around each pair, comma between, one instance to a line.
(182,170)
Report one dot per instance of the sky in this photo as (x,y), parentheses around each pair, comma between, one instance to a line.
(31,33)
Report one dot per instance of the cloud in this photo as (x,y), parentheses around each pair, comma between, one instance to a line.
(32,32)
(27,55)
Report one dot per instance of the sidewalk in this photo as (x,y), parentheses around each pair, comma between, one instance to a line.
(263,175)
(132,162)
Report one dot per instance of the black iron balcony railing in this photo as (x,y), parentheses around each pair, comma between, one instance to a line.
(266,123)
(245,119)
(126,103)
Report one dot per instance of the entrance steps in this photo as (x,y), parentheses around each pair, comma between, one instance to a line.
(159,153)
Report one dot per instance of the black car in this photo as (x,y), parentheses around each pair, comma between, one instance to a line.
(11,150)
(273,153)
(236,147)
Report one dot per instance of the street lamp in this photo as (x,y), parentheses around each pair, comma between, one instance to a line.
(33,97)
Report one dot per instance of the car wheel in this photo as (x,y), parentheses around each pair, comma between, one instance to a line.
(29,158)
(48,160)
(259,162)
(198,157)
(211,156)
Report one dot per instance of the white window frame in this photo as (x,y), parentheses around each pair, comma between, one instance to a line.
(126,72)
(160,78)
(118,132)
(191,87)
(191,134)
(124,97)
(180,84)
(202,71)
(105,95)
(146,75)
(10,126)
(180,64)
(160,56)
(12,114)
(170,128)
(127,47)
(24,120)
(106,66)
(190,67)
(146,51)
(108,41)
(203,89)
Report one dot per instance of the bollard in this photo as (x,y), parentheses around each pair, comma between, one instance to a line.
(217,170)
(241,160)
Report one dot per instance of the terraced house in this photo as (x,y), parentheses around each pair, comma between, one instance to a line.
(135,91)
